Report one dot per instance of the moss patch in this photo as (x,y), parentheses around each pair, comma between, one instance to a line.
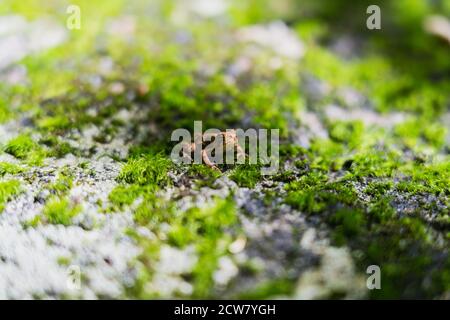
(246,175)
(8,189)
(60,211)
(149,169)
(25,148)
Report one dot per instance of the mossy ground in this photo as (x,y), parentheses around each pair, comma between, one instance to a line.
(137,70)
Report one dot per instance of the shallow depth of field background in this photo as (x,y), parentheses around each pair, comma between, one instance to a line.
(86,180)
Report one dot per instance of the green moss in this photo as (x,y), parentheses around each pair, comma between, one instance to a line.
(413,132)
(373,164)
(122,196)
(352,182)
(4,113)
(259,11)
(347,132)
(284,176)
(291,151)
(372,226)
(20,146)
(210,225)
(203,175)
(63,183)
(64,261)
(263,100)
(304,201)
(60,211)
(8,189)
(10,168)
(151,169)
(270,289)
(204,228)
(152,210)
(246,175)
(381,210)
(53,124)
(378,188)
(325,152)
(348,223)
(33,223)
(58,148)
(431,178)
(379,79)
(23,147)
(144,173)
(405,243)
(316,198)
